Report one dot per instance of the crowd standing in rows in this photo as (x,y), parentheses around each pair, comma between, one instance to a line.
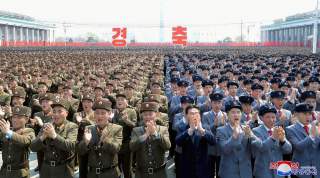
(111,113)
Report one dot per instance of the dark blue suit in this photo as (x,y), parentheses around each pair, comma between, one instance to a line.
(194,157)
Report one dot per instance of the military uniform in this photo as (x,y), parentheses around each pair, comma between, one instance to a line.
(103,152)
(162,100)
(59,153)
(74,105)
(150,153)
(15,149)
(125,154)
(87,119)
(162,118)
(35,103)
(19,93)
(134,101)
(46,118)
(5,99)
(103,157)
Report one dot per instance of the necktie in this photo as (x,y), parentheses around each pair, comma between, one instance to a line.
(279,113)
(270,132)
(248,117)
(313,116)
(306,128)
(215,115)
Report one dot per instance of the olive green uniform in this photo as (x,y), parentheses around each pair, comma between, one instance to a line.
(103,154)
(59,153)
(150,153)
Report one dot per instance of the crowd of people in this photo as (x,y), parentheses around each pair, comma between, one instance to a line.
(216,112)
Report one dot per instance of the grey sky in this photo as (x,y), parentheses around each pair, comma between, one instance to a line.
(142,16)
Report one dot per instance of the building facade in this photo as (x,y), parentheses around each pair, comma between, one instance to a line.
(16,28)
(296,30)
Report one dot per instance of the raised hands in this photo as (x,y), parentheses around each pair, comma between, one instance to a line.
(87,136)
(4,126)
(48,132)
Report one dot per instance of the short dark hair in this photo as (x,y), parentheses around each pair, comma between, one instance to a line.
(192,106)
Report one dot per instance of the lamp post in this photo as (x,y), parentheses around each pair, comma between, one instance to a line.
(315,30)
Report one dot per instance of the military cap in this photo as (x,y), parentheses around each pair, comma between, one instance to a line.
(47,96)
(277,94)
(129,85)
(228,70)
(42,83)
(275,80)
(305,83)
(284,84)
(21,111)
(99,87)
(264,67)
(247,82)
(187,99)
(109,83)
(223,72)
(246,99)
(228,66)
(232,83)
(254,77)
(291,79)
(213,76)
(92,77)
(196,78)
(232,104)
(216,96)
(206,83)
(277,75)
(242,78)
(263,78)
(313,79)
(223,79)
(308,94)
(149,106)
(303,107)
(121,94)
(183,83)
(256,86)
(102,104)
(58,101)
(316,75)
(205,68)
(257,71)
(267,108)
(88,97)
(19,92)
(236,72)
(152,98)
